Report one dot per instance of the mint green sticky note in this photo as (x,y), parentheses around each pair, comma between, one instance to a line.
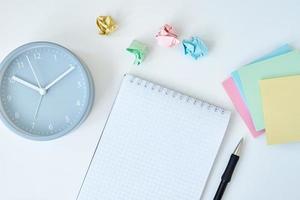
(284,65)
(277,52)
(139,50)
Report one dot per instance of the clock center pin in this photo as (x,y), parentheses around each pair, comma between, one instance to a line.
(42,91)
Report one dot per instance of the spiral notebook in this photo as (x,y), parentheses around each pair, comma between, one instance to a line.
(157,144)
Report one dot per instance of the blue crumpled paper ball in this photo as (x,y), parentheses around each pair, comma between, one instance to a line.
(195,47)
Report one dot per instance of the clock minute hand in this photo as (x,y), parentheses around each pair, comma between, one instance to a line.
(25,83)
(59,78)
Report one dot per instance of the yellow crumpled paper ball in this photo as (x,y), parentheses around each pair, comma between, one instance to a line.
(106,25)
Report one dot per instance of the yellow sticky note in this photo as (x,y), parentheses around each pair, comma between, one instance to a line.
(281,108)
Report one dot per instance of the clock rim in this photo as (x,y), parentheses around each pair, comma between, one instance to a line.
(91,89)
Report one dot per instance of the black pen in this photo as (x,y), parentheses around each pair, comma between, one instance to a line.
(226,177)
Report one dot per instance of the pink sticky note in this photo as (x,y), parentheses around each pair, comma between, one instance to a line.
(233,93)
(167,36)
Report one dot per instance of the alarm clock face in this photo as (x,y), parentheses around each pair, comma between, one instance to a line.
(45,91)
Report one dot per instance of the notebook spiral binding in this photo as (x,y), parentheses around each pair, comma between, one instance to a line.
(183,97)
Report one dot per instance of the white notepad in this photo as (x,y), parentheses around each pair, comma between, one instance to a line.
(157,144)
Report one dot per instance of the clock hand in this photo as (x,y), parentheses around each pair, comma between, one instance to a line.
(38,108)
(34,74)
(60,77)
(29,85)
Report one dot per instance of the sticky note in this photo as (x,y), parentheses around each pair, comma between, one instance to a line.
(279,51)
(234,90)
(284,65)
(281,109)
(239,105)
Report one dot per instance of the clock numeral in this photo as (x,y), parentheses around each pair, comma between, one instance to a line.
(17,115)
(50,127)
(11,80)
(71,65)
(37,56)
(20,64)
(9,98)
(67,119)
(55,57)
(79,85)
(33,125)
(78,103)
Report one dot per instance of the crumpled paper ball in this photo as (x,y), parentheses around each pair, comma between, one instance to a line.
(167,36)
(195,47)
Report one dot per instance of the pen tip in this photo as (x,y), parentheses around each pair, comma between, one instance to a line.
(238,147)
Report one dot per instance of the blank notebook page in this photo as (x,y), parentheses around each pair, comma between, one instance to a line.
(157,144)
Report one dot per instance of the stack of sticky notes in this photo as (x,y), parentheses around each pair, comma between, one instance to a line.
(266,95)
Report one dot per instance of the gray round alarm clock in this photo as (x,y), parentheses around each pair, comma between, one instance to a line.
(46,91)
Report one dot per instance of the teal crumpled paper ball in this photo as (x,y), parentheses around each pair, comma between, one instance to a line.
(195,47)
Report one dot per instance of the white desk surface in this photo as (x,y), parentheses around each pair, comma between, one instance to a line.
(236,32)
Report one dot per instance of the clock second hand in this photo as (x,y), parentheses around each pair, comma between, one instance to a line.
(37,108)
(34,74)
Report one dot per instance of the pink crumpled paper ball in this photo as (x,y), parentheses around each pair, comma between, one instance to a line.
(167,36)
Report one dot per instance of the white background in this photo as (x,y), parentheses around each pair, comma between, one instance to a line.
(236,32)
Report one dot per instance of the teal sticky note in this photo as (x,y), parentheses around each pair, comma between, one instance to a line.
(284,65)
(279,51)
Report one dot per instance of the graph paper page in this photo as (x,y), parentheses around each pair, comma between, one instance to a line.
(157,144)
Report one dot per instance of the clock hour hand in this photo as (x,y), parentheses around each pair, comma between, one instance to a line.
(59,77)
(29,85)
